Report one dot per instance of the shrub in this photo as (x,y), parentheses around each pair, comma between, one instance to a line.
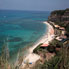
(37,49)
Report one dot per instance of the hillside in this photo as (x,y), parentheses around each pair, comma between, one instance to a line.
(60,17)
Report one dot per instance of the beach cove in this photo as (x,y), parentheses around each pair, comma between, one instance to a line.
(45,39)
(20,28)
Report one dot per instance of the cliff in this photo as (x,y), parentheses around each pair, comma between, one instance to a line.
(60,17)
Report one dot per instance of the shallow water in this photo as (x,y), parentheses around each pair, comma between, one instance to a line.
(21,28)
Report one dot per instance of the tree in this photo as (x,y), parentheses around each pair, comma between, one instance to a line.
(64,64)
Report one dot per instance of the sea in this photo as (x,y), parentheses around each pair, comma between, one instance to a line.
(21,29)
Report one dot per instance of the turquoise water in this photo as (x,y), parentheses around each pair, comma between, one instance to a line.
(21,28)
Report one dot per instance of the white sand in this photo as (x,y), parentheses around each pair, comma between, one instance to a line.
(49,35)
(31,55)
(46,38)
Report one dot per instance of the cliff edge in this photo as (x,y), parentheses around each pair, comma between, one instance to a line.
(60,17)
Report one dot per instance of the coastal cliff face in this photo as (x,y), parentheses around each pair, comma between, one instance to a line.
(60,17)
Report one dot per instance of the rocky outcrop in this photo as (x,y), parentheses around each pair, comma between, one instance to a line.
(59,16)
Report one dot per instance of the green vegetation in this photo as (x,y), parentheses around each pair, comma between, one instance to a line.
(37,49)
(51,48)
(59,61)
(56,43)
(51,64)
(62,19)
(5,57)
(58,12)
(67,28)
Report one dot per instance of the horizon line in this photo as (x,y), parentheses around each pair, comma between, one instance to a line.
(25,10)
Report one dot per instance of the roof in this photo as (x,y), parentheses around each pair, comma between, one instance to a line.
(44,45)
(57,26)
(62,28)
(58,49)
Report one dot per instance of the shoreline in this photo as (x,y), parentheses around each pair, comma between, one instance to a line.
(46,38)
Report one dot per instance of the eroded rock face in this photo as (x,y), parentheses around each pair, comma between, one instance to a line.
(59,16)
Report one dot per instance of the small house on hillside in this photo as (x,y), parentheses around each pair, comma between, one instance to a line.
(56,26)
(44,46)
(63,30)
(61,38)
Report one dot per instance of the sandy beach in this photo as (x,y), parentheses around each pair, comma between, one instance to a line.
(45,39)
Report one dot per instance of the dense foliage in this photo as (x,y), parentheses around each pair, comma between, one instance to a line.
(58,12)
(37,49)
